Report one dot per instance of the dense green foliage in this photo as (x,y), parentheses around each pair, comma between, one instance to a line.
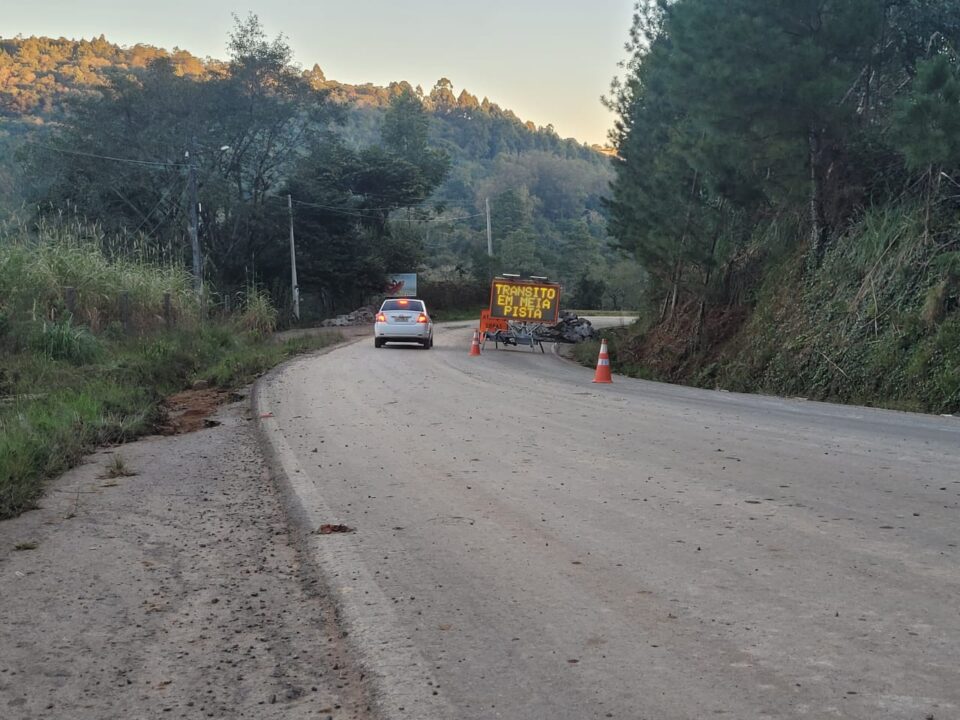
(867,328)
(125,156)
(788,176)
(385,179)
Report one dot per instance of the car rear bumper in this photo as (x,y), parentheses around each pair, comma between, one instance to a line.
(402,333)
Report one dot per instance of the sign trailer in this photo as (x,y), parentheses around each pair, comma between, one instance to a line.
(518,309)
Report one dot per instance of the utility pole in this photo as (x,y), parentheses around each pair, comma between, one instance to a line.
(194,222)
(293,262)
(489,232)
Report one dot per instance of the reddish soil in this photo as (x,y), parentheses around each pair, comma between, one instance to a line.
(190,410)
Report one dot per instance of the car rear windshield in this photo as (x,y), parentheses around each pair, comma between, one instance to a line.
(411,305)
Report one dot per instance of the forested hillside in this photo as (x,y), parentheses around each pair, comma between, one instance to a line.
(384,179)
(789,176)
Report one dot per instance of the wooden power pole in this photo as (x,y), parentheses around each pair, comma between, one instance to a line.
(293,262)
(194,225)
(489,232)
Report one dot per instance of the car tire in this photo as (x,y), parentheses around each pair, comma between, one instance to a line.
(427,344)
(377,343)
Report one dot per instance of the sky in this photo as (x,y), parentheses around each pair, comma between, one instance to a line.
(547,60)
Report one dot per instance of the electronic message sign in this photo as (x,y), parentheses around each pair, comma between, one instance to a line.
(523,300)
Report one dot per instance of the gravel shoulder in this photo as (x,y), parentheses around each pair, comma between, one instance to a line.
(176,592)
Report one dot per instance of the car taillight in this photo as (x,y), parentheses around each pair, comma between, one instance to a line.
(423,318)
(381,317)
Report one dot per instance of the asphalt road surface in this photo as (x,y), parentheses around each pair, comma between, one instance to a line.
(529,545)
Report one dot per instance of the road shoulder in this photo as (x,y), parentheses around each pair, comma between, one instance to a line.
(400,681)
(174,590)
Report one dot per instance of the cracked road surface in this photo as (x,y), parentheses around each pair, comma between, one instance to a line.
(529,545)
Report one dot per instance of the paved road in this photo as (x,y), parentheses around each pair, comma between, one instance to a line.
(531,545)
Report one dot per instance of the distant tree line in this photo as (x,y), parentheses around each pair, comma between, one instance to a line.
(383,178)
(38,75)
(253,133)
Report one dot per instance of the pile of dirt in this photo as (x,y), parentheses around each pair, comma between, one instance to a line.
(190,410)
(360,316)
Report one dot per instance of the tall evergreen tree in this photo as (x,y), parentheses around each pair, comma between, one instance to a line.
(733,112)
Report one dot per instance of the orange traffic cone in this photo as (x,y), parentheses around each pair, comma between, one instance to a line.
(603,365)
(475,346)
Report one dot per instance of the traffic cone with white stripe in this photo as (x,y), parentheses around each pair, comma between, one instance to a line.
(603,365)
(475,346)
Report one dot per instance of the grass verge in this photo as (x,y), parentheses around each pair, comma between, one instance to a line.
(54,408)
(456,315)
(87,353)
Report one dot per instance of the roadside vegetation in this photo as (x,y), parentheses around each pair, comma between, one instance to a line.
(877,324)
(70,381)
(788,177)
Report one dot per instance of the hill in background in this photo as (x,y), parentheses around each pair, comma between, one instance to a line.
(545,190)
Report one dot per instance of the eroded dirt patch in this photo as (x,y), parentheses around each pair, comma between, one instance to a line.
(191,410)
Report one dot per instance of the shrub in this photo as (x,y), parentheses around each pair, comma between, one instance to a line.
(65,341)
(259,315)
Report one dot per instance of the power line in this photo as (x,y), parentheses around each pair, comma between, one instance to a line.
(336,210)
(365,209)
(456,219)
(131,161)
(358,212)
(361,214)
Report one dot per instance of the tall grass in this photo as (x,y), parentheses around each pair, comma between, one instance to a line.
(38,264)
(878,323)
(52,411)
(64,341)
(259,315)
(68,382)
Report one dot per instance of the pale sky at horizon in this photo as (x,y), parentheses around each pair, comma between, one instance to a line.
(547,60)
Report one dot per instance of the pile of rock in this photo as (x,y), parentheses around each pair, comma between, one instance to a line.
(360,316)
(570,329)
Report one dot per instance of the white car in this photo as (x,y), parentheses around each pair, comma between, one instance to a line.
(403,320)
